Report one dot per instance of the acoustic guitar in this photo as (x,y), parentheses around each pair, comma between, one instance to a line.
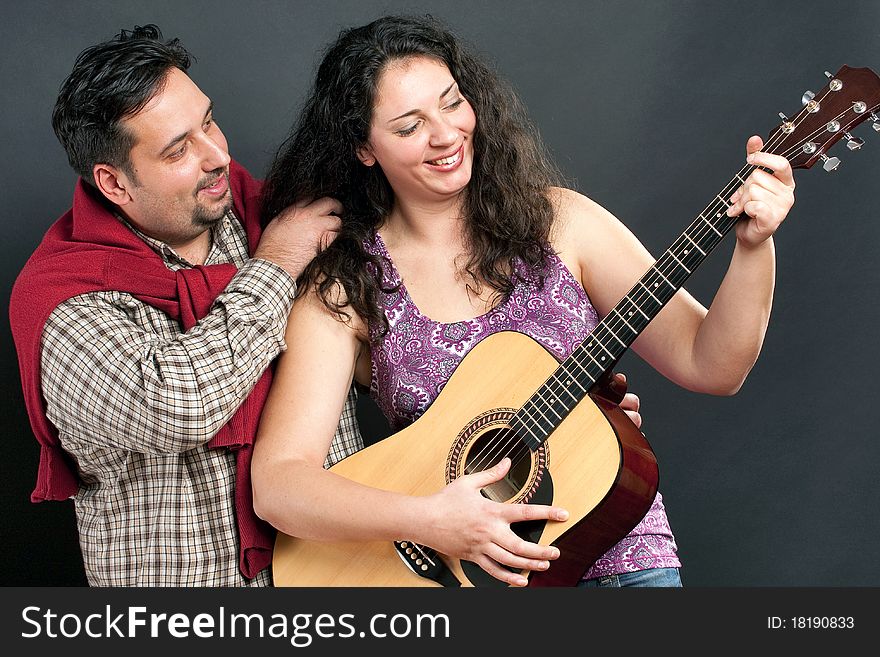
(568,441)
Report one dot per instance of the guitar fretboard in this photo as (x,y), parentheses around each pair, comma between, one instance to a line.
(598,353)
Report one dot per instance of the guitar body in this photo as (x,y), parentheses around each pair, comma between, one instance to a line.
(596,464)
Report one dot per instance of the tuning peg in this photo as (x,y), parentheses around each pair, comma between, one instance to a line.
(829,163)
(807,97)
(876,120)
(835,84)
(853,143)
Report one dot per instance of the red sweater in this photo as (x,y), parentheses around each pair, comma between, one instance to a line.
(90,250)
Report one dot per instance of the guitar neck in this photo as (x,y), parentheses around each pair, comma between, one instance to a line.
(851,96)
(597,354)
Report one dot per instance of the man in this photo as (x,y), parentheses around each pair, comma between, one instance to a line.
(146,322)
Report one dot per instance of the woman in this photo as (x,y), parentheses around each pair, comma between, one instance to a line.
(455,226)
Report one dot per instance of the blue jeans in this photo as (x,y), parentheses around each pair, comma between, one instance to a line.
(656,577)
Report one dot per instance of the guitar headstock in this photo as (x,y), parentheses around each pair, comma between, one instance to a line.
(851,96)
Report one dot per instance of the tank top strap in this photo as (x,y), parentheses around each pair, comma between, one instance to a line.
(412,361)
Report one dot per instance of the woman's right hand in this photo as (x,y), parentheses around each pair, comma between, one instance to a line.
(466,525)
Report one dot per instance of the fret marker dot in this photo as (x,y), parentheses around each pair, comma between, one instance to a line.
(657,284)
(686,251)
(603,357)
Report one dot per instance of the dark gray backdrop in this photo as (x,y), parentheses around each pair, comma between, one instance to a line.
(647,107)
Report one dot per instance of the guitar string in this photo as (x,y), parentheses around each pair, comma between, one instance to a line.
(598,339)
(613,325)
(554,385)
(658,265)
(423,552)
(573,378)
(612,328)
(738,177)
(609,326)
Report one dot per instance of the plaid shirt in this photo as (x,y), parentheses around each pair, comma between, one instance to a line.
(136,401)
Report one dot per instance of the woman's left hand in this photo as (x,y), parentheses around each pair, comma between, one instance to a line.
(630,403)
(766,198)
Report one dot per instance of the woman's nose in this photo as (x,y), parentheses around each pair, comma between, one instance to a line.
(443,133)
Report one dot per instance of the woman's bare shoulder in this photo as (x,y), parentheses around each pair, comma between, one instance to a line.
(327,304)
(577,216)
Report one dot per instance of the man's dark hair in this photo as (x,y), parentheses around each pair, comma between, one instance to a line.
(109,82)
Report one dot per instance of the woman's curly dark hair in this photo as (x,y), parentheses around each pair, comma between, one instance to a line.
(508,213)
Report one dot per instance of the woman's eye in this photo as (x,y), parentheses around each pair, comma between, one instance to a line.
(405,132)
(455,104)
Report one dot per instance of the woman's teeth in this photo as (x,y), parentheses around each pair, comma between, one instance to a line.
(447,160)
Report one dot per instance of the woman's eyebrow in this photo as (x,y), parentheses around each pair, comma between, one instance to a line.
(414,111)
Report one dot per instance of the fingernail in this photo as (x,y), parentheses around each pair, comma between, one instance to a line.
(750,158)
(555,553)
(521,581)
(544,565)
(562,514)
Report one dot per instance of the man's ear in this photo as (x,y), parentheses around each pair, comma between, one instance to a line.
(366,156)
(112,183)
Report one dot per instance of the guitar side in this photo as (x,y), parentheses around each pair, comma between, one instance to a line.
(603,472)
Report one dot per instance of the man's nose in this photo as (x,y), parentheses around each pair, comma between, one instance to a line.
(214,155)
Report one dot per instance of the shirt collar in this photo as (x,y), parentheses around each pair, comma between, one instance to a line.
(220,234)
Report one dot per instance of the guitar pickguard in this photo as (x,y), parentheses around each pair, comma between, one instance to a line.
(530,530)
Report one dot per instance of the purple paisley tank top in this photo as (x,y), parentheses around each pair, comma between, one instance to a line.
(412,362)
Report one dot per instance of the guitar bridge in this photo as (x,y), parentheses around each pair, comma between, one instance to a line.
(425,562)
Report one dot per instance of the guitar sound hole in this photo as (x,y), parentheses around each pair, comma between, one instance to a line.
(487,450)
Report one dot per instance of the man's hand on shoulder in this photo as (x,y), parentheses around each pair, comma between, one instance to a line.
(297,234)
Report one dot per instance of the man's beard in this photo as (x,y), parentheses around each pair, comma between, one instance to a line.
(204,217)
(208,218)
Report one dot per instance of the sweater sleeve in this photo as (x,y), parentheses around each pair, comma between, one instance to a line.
(121,374)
